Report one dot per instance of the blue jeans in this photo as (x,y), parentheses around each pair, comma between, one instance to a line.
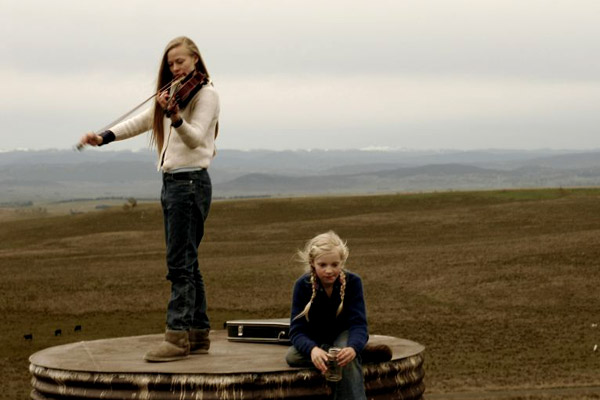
(185,199)
(351,387)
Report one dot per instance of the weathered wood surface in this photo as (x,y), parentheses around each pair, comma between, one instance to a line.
(115,369)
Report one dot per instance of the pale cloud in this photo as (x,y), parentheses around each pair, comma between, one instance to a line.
(391,107)
(74,92)
(422,74)
(394,99)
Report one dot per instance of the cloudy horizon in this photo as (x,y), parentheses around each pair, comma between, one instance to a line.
(447,74)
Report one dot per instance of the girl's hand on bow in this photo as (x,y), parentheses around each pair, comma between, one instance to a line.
(319,358)
(345,356)
(91,139)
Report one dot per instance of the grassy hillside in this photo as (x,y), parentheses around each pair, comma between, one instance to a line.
(501,287)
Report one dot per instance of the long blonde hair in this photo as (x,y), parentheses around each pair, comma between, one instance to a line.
(164,77)
(324,243)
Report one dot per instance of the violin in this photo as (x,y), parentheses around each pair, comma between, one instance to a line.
(183,90)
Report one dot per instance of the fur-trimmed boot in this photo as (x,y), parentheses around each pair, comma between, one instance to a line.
(376,353)
(176,346)
(199,341)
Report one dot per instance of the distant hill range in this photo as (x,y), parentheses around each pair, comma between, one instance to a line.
(60,175)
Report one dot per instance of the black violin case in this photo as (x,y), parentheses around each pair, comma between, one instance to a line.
(274,330)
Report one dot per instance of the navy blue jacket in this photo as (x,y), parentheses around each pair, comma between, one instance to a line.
(323,326)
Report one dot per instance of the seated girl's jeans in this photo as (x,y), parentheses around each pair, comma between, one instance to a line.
(351,387)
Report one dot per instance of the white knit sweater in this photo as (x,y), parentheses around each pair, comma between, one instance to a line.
(190,145)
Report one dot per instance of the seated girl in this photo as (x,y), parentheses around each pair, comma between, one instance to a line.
(328,310)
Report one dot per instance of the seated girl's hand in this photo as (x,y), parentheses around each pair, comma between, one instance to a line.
(319,358)
(345,356)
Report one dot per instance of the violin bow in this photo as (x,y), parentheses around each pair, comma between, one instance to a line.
(168,86)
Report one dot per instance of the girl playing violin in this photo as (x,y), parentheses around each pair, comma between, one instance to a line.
(184,127)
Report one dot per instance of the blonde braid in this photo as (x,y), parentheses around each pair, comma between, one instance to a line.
(313,283)
(342,292)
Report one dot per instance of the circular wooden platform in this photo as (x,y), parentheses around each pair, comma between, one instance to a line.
(115,369)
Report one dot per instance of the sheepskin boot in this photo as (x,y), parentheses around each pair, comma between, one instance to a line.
(176,346)
(199,341)
(376,353)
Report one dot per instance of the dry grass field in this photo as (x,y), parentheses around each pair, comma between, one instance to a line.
(502,287)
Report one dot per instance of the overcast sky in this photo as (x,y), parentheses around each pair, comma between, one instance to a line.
(328,74)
